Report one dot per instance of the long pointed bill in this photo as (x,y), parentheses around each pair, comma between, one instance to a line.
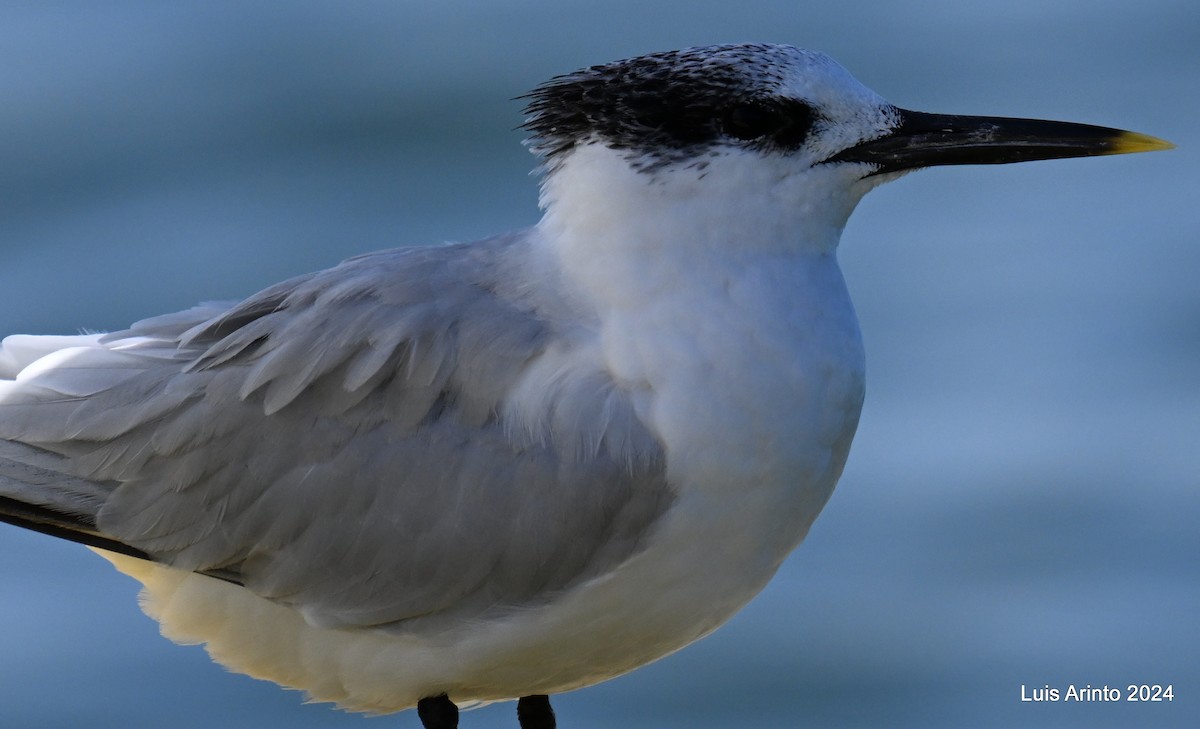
(926,140)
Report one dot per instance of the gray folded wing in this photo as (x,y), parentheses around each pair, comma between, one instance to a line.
(348,442)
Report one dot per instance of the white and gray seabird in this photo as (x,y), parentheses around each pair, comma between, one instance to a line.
(524,465)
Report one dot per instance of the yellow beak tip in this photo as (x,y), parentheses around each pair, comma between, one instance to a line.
(1130,142)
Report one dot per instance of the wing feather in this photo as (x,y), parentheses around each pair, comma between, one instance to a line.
(406,438)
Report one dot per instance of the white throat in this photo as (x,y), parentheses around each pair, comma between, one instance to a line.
(625,234)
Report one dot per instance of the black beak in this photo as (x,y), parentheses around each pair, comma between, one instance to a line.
(926,140)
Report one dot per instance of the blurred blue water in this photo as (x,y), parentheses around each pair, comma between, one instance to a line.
(1021,502)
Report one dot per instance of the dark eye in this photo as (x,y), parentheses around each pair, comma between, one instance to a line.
(785,125)
(752,121)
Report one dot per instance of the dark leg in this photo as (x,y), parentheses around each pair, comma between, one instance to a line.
(438,712)
(534,712)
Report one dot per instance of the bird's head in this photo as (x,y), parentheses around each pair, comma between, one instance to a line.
(757,130)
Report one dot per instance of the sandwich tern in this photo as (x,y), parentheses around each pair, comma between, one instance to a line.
(445,476)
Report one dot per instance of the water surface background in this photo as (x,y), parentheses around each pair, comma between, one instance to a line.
(1021,503)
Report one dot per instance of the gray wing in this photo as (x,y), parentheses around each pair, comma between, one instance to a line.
(348,442)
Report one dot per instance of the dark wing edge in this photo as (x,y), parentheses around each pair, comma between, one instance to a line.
(63,526)
(67,511)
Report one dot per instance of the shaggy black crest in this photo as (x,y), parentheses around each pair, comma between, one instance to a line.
(668,107)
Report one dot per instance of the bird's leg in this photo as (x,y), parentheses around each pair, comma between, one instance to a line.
(439,712)
(534,712)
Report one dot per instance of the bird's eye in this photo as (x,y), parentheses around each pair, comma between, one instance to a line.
(751,121)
